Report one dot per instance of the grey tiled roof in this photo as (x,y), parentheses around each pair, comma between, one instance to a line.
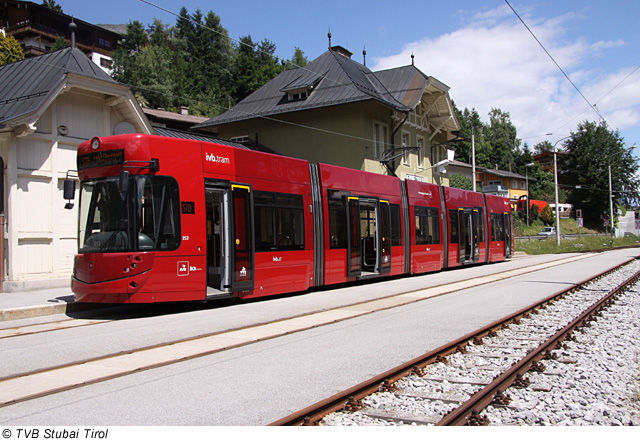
(501,173)
(27,84)
(406,84)
(339,80)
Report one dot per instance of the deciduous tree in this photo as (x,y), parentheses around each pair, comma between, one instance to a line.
(590,153)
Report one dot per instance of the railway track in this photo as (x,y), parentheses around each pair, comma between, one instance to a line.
(132,312)
(27,385)
(453,384)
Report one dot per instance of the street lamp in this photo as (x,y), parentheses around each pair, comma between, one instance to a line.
(611,202)
(555,179)
(526,170)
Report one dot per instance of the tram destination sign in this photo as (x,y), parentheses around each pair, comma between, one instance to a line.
(101,159)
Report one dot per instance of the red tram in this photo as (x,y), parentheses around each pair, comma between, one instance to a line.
(164,219)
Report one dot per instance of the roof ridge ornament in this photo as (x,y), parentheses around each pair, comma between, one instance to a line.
(73,28)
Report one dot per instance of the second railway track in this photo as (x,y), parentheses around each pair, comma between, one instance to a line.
(452,385)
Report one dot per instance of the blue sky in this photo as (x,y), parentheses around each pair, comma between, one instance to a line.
(480,49)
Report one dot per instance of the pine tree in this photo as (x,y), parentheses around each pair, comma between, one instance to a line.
(193,63)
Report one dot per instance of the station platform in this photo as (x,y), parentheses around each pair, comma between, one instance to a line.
(36,303)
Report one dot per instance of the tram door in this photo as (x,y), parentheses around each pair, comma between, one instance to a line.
(218,246)
(369,236)
(469,249)
(507,235)
(230,243)
(354,251)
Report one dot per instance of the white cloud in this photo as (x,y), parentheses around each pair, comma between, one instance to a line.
(494,62)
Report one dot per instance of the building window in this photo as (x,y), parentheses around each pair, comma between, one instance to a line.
(422,154)
(380,138)
(106,63)
(435,155)
(405,143)
(240,139)
(295,97)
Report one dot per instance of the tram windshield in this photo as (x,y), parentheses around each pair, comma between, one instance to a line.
(143,218)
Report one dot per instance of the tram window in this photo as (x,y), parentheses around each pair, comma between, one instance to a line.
(279,221)
(453,226)
(478,222)
(159,220)
(396,226)
(337,219)
(427,225)
(264,221)
(290,222)
(497,227)
(147,219)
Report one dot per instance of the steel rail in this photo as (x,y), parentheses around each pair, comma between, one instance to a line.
(467,412)
(350,398)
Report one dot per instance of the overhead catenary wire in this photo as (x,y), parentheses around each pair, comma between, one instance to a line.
(368,140)
(591,106)
(601,99)
(554,61)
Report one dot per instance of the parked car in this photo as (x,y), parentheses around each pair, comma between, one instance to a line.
(547,231)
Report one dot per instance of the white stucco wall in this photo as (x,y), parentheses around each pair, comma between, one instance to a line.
(41,235)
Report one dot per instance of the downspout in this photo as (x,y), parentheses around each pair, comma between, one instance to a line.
(391,168)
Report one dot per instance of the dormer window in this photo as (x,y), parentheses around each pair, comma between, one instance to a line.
(302,87)
(298,95)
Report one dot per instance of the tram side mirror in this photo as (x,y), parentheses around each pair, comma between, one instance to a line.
(123,186)
(69,192)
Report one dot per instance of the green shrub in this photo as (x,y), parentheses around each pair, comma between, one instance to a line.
(547,216)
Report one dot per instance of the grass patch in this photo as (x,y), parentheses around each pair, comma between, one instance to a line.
(568,226)
(544,246)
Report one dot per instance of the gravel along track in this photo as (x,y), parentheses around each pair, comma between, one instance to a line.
(594,379)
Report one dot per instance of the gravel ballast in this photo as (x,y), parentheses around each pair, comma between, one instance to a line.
(593,380)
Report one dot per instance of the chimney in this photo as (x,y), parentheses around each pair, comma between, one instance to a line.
(184,110)
(342,51)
